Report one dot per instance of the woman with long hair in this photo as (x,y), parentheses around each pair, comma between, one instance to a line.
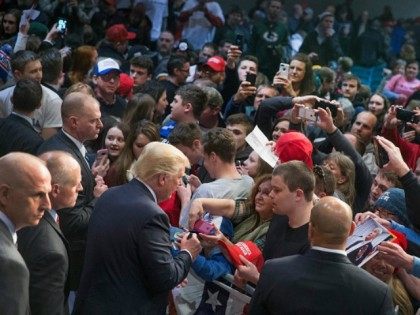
(345,175)
(142,133)
(139,107)
(299,81)
(378,105)
(156,90)
(260,212)
(9,27)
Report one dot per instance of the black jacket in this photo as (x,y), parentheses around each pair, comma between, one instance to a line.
(319,283)
(74,221)
(17,134)
(44,249)
(129,268)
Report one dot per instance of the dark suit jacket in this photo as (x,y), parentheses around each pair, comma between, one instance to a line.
(74,221)
(17,134)
(14,277)
(319,283)
(129,268)
(44,249)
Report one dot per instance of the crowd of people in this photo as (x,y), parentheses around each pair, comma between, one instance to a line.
(128,186)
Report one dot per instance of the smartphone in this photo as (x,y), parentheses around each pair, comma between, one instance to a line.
(407,116)
(204,227)
(62,26)
(238,163)
(185,180)
(101,153)
(307,113)
(381,157)
(251,78)
(284,70)
(239,41)
(325,105)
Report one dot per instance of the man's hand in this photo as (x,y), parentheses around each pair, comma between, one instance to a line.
(194,182)
(248,271)
(307,100)
(396,162)
(244,91)
(325,121)
(191,244)
(184,194)
(233,55)
(362,217)
(100,187)
(395,255)
(196,212)
(53,34)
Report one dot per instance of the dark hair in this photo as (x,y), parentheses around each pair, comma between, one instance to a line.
(221,142)
(307,85)
(19,59)
(214,98)
(139,107)
(27,95)
(154,88)
(17,14)
(52,65)
(185,134)
(240,119)
(349,77)
(195,96)
(143,62)
(210,45)
(250,58)
(175,62)
(295,175)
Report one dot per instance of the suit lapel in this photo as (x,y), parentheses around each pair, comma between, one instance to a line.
(76,151)
(48,218)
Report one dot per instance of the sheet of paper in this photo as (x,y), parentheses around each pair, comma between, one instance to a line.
(258,141)
(28,15)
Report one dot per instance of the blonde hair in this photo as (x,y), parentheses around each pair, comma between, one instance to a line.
(400,296)
(158,157)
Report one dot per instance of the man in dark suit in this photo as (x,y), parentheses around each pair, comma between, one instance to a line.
(129,268)
(44,247)
(17,131)
(24,186)
(81,122)
(322,281)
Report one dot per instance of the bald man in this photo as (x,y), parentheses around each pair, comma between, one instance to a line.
(44,247)
(323,281)
(81,122)
(25,183)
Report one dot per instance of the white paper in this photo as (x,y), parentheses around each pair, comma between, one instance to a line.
(28,15)
(258,141)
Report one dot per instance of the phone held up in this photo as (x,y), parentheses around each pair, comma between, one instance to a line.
(284,70)
(239,41)
(381,157)
(251,78)
(204,227)
(62,26)
(325,105)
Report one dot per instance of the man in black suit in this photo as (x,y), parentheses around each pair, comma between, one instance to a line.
(17,131)
(81,122)
(129,268)
(44,247)
(24,186)
(322,281)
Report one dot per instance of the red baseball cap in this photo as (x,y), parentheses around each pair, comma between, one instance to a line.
(119,33)
(216,63)
(126,85)
(294,146)
(247,249)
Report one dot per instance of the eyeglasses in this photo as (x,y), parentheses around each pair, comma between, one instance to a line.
(110,76)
